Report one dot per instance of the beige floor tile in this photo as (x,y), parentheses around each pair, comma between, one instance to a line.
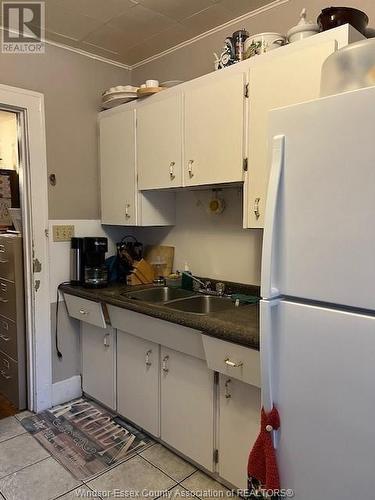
(24,414)
(41,481)
(168,462)
(135,475)
(19,452)
(10,427)
(80,492)
(205,487)
(177,493)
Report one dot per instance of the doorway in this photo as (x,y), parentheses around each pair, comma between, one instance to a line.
(28,226)
(13,388)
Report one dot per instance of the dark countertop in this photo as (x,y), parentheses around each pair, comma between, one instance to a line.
(239,325)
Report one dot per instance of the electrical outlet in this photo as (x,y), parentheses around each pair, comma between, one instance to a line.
(62,232)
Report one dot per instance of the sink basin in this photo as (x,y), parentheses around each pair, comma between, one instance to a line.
(202,304)
(158,294)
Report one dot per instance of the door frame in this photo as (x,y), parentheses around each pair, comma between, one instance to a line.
(29,106)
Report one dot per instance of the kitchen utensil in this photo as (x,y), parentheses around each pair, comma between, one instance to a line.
(171,83)
(143,92)
(119,89)
(152,83)
(95,270)
(144,271)
(111,102)
(332,17)
(160,253)
(263,42)
(303,29)
(349,68)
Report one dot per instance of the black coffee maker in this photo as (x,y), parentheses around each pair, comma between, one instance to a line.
(88,262)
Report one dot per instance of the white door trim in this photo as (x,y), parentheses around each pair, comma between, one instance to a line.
(34,193)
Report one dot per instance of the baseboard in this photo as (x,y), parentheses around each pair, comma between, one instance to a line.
(66,390)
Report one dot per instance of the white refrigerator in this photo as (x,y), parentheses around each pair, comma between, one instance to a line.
(318,295)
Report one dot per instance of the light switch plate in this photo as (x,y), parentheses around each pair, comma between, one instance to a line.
(63,232)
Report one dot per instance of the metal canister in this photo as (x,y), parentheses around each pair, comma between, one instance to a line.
(239,38)
(76,261)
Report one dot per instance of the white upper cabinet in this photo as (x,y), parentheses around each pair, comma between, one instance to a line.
(214,130)
(289,75)
(159,142)
(117,168)
(121,202)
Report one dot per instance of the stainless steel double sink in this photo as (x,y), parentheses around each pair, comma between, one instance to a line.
(181,300)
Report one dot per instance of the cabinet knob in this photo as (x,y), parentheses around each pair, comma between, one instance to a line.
(232,364)
(171,170)
(165,364)
(190,168)
(106,340)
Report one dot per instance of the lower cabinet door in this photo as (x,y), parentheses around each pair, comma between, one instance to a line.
(187,406)
(138,392)
(239,409)
(99,363)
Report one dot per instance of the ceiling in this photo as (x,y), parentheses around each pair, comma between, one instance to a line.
(129,31)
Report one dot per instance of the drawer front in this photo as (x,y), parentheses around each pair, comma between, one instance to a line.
(85,310)
(7,259)
(8,305)
(177,337)
(9,378)
(233,360)
(8,337)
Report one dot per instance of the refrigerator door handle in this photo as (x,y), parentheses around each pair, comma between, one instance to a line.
(266,357)
(268,290)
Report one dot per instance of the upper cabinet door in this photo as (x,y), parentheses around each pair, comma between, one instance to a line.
(214,131)
(159,143)
(117,168)
(276,81)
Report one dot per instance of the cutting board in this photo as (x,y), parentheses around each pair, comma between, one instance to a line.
(160,253)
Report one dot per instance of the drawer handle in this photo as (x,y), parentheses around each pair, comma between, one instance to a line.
(2,248)
(4,375)
(3,337)
(127,215)
(4,301)
(165,364)
(232,364)
(83,312)
(4,261)
(107,342)
(148,358)
(228,395)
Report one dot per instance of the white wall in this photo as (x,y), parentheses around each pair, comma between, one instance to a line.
(215,246)
(59,265)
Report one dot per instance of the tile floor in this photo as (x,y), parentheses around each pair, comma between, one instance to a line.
(29,472)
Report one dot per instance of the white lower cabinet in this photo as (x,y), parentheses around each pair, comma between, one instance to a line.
(187,406)
(138,381)
(239,411)
(98,347)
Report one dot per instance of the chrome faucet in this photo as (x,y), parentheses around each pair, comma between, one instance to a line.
(206,286)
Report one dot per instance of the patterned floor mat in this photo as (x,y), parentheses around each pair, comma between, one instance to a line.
(85,438)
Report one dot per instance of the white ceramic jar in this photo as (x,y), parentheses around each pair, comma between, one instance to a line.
(263,42)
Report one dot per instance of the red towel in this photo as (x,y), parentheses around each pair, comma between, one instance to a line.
(262,464)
